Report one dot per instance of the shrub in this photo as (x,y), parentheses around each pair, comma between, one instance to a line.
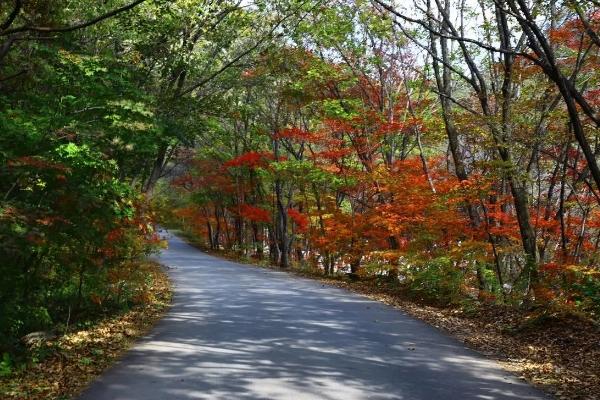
(437,280)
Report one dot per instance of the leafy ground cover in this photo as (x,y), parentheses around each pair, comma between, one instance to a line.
(556,352)
(62,366)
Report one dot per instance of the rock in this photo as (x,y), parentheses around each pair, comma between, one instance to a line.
(36,339)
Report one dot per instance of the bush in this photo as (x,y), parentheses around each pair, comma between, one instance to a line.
(437,280)
(584,289)
(5,365)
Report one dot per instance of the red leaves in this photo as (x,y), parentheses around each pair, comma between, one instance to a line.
(333,155)
(593,97)
(255,214)
(551,267)
(50,220)
(251,159)
(299,219)
(35,239)
(501,222)
(37,162)
(186,212)
(414,214)
(249,73)
(569,34)
(295,134)
(410,125)
(391,127)
(114,235)
(336,125)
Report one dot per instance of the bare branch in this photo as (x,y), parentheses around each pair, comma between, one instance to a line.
(454,36)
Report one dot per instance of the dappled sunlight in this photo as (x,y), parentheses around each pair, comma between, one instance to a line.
(245,333)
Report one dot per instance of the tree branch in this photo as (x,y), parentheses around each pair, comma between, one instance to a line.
(14,13)
(46,29)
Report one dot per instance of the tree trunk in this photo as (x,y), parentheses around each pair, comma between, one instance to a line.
(157,170)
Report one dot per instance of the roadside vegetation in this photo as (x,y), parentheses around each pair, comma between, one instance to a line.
(60,365)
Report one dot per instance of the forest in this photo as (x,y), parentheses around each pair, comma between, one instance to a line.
(459,159)
(447,149)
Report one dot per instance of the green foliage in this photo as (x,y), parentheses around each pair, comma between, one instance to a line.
(587,295)
(5,365)
(303,172)
(438,280)
(342,109)
(78,133)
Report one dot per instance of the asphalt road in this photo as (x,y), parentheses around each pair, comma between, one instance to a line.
(240,332)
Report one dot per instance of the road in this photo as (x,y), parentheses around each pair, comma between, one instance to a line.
(241,332)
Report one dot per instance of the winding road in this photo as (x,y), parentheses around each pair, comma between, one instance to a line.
(240,332)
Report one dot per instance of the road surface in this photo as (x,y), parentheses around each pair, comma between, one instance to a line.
(241,332)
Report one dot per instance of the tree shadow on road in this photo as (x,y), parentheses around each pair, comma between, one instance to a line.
(246,333)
